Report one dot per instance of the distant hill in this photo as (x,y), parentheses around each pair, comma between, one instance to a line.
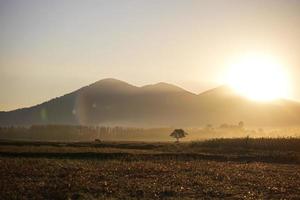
(114,102)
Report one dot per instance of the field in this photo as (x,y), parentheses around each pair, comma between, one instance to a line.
(220,169)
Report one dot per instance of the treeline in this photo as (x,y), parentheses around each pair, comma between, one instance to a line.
(83,133)
(239,130)
(92,133)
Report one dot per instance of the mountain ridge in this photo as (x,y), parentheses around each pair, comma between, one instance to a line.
(114,102)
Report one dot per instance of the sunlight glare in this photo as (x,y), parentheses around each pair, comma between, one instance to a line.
(258,77)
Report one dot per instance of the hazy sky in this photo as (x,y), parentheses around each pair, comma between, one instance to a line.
(49,48)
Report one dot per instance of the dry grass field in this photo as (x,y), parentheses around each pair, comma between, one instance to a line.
(215,169)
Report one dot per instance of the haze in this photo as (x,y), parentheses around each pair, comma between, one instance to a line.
(49,48)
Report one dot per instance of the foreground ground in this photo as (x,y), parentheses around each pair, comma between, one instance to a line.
(142,171)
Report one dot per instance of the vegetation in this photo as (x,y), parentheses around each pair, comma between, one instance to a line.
(103,133)
(240,168)
(49,166)
(178,133)
(111,179)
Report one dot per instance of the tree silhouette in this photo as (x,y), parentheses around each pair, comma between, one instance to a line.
(241,124)
(178,133)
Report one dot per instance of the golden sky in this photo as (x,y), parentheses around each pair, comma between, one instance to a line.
(52,47)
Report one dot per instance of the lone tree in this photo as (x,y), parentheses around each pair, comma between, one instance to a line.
(241,124)
(178,133)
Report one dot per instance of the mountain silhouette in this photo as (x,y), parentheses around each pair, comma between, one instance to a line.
(112,102)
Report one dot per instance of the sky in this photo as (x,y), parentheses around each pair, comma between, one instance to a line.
(52,47)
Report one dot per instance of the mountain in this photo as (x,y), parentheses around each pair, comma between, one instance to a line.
(222,104)
(114,102)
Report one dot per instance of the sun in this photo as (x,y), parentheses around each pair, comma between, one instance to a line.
(258,77)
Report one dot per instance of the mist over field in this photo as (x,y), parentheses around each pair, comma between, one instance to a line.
(149,99)
(110,102)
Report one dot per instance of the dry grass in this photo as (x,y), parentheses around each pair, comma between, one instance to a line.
(88,179)
(150,170)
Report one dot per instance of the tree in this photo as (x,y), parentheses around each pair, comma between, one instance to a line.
(241,124)
(209,127)
(224,126)
(178,133)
